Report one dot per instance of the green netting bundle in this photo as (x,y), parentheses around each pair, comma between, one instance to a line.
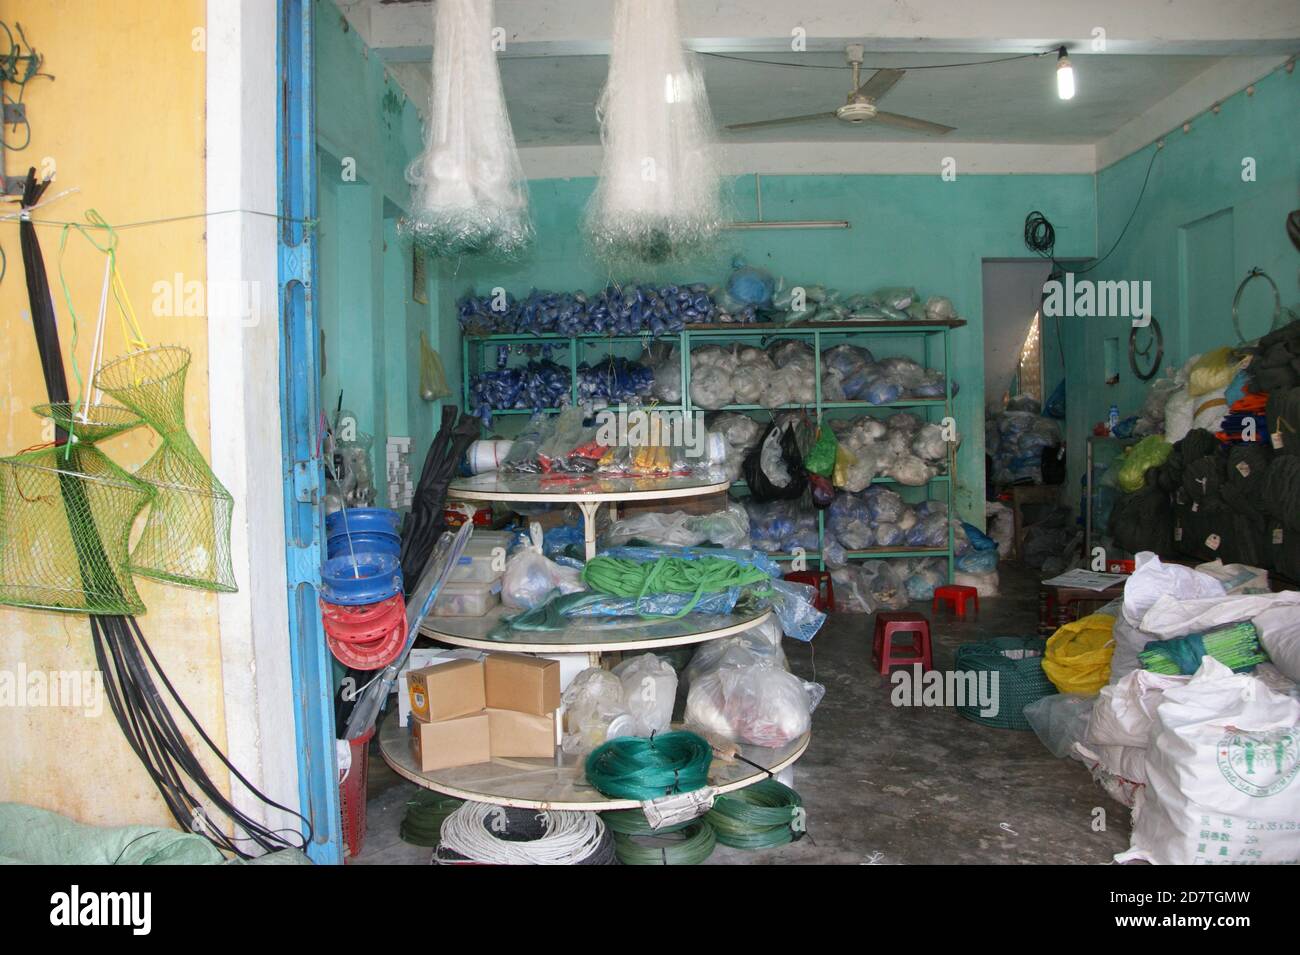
(65,520)
(186,539)
(1018,663)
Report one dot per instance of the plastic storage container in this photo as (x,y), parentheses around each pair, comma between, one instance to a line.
(476,562)
(467,599)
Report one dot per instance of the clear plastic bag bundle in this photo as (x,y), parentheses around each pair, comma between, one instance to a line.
(778,527)
(658,197)
(649,691)
(592,702)
(753,704)
(469,191)
(530,580)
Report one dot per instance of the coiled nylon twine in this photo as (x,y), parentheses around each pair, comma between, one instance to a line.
(633,767)
(757,817)
(677,575)
(568,838)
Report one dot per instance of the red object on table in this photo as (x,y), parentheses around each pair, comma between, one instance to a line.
(821,579)
(886,655)
(956,596)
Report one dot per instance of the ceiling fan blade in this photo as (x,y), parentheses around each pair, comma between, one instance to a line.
(911,122)
(881,82)
(781,122)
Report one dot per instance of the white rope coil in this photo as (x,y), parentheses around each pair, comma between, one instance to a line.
(569,836)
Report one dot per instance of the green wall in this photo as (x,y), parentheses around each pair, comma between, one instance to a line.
(1199,230)
(913,230)
(367,133)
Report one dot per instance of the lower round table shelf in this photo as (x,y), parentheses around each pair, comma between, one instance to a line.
(591,635)
(559,782)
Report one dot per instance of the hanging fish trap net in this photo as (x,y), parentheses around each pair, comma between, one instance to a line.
(90,423)
(65,522)
(186,538)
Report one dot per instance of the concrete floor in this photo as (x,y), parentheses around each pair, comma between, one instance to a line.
(890,785)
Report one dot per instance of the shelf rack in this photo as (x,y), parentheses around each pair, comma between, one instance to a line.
(934,338)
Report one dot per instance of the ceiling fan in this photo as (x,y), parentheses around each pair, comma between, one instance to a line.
(861,105)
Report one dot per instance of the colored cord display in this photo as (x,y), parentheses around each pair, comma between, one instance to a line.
(761,816)
(633,767)
(668,575)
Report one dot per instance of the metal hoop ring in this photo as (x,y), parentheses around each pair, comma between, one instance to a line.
(1133,353)
(1236,299)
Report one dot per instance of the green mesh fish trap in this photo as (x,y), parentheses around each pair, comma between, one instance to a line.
(1018,662)
(186,539)
(65,523)
(91,423)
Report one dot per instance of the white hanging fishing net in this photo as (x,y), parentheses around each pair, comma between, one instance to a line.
(658,196)
(469,190)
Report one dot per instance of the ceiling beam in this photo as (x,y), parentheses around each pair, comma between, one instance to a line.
(403,32)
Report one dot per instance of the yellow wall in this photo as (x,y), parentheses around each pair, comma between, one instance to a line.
(124,122)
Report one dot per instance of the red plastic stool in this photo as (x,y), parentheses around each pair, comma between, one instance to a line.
(957,597)
(821,579)
(885,654)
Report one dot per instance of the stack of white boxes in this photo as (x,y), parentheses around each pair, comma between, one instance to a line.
(401,489)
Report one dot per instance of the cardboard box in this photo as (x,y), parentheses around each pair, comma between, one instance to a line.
(450,689)
(418,659)
(521,734)
(521,683)
(459,741)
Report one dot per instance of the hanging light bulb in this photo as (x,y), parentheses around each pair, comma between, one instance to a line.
(1064,76)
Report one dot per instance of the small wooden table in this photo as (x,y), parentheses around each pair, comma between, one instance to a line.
(1058,606)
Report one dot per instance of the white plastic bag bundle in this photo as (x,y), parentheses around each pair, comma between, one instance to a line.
(758,646)
(1222,762)
(1152,580)
(752,704)
(469,191)
(530,579)
(985,584)
(659,191)
(649,691)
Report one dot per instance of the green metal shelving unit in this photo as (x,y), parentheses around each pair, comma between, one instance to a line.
(935,344)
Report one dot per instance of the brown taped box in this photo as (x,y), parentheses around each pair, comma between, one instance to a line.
(459,741)
(523,684)
(521,734)
(446,690)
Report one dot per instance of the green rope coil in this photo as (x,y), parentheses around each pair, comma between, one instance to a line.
(761,816)
(633,767)
(668,575)
(689,844)
(425,813)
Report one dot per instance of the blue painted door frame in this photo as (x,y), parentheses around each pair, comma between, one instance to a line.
(300,429)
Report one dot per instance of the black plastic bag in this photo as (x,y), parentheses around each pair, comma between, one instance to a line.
(761,487)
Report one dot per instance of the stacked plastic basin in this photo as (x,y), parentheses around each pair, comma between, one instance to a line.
(362,605)
(369,530)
